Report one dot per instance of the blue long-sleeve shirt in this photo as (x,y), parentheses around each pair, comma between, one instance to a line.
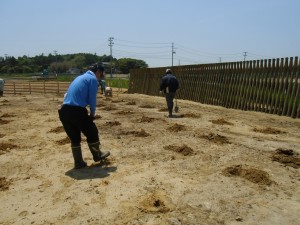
(83,92)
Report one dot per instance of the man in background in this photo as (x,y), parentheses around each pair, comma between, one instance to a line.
(169,85)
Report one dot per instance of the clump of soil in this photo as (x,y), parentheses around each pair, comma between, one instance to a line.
(177,127)
(163,110)
(63,141)
(141,133)
(57,130)
(117,101)
(100,104)
(145,119)
(8,115)
(124,112)
(4,121)
(216,138)
(221,122)
(6,147)
(156,201)
(287,157)
(112,123)
(4,184)
(191,115)
(2,135)
(147,106)
(184,149)
(253,175)
(268,130)
(96,117)
(109,108)
(131,103)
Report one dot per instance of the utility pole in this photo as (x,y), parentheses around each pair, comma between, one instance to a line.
(245,55)
(173,52)
(111,58)
(55,53)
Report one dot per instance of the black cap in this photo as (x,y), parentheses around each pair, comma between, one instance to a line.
(95,67)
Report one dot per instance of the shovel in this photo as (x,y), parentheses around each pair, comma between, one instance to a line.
(176,106)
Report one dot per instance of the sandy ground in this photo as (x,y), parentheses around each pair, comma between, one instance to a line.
(211,165)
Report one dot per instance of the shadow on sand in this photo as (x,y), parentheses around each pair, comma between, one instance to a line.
(91,172)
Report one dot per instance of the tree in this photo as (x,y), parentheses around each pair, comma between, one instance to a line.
(126,64)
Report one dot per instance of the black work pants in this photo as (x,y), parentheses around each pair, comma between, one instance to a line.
(169,98)
(76,120)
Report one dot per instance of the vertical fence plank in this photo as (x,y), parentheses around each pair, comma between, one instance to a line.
(280,86)
(268,85)
(289,97)
(241,84)
(233,87)
(247,71)
(285,87)
(297,96)
(252,86)
(295,90)
(275,79)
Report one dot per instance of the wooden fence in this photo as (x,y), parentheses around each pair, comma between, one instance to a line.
(29,87)
(270,86)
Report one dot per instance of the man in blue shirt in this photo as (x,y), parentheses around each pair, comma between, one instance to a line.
(75,118)
(169,85)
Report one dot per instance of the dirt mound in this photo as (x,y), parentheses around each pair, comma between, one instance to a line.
(216,138)
(221,122)
(117,101)
(131,103)
(147,106)
(156,201)
(191,115)
(163,110)
(8,115)
(145,119)
(254,175)
(268,130)
(4,184)
(112,123)
(6,147)
(124,112)
(177,127)
(109,108)
(141,133)
(287,157)
(63,141)
(184,149)
(4,121)
(57,130)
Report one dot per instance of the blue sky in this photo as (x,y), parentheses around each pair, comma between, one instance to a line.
(203,31)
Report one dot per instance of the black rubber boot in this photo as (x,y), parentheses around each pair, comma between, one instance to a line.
(97,154)
(170,113)
(77,155)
